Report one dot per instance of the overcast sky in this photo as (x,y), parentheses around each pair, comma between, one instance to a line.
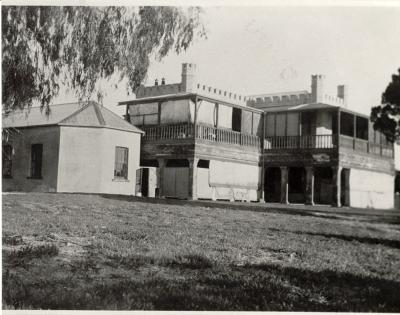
(254,50)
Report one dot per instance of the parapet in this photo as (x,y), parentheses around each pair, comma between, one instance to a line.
(219,94)
(279,99)
(157,90)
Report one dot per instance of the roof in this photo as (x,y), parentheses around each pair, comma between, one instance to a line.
(301,107)
(185,95)
(70,114)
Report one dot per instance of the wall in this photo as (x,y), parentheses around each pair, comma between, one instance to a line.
(370,189)
(229,182)
(21,142)
(87,157)
(397,156)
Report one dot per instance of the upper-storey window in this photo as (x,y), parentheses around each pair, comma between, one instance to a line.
(7,161)
(36,160)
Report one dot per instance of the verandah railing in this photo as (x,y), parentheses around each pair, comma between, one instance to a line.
(301,142)
(366,146)
(326,142)
(182,131)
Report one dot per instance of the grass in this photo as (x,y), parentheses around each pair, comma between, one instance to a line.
(64,251)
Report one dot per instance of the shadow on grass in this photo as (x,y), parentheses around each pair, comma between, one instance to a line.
(239,288)
(366,240)
(221,205)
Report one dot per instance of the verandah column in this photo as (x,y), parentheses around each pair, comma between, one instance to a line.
(337,170)
(310,185)
(284,185)
(193,178)
(160,177)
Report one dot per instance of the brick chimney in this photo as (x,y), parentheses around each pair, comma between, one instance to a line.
(188,77)
(342,92)
(317,88)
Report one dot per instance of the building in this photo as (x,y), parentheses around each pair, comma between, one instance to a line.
(316,150)
(295,147)
(200,139)
(86,149)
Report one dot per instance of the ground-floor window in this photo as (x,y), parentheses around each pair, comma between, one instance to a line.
(7,161)
(36,160)
(121,163)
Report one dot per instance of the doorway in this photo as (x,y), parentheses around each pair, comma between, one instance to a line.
(272,184)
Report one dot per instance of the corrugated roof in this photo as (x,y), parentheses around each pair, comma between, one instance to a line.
(71,114)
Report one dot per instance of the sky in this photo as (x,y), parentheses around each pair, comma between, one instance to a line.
(256,50)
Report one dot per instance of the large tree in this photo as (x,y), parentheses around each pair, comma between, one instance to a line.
(386,117)
(46,47)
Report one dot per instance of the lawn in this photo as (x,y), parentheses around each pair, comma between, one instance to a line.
(64,251)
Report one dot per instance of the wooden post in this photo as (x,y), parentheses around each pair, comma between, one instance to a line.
(262,192)
(160,178)
(284,185)
(354,131)
(195,118)
(337,170)
(310,185)
(193,178)
(299,142)
(338,129)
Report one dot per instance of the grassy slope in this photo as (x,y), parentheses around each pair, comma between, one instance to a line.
(93,252)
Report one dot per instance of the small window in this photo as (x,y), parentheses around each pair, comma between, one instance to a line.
(7,161)
(121,163)
(36,160)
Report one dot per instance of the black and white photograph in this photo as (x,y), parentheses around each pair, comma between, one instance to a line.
(200,156)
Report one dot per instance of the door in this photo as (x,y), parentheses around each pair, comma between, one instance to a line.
(176,179)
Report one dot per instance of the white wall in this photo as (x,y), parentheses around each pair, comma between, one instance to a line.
(87,157)
(234,181)
(397,157)
(371,189)
(21,142)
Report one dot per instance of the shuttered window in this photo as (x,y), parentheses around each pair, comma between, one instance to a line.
(36,160)
(121,163)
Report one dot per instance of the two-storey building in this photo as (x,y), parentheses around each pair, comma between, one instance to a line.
(316,150)
(203,141)
(295,147)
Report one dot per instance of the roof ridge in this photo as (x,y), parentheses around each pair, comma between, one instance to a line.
(121,118)
(74,113)
(99,114)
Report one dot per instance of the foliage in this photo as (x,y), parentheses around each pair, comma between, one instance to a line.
(46,47)
(386,117)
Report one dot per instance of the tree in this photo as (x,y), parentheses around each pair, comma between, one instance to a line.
(46,47)
(386,117)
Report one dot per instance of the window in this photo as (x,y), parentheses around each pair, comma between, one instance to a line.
(7,161)
(121,163)
(36,160)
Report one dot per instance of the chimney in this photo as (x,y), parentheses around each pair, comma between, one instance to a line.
(163,81)
(188,77)
(317,88)
(342,92)
(156,82)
